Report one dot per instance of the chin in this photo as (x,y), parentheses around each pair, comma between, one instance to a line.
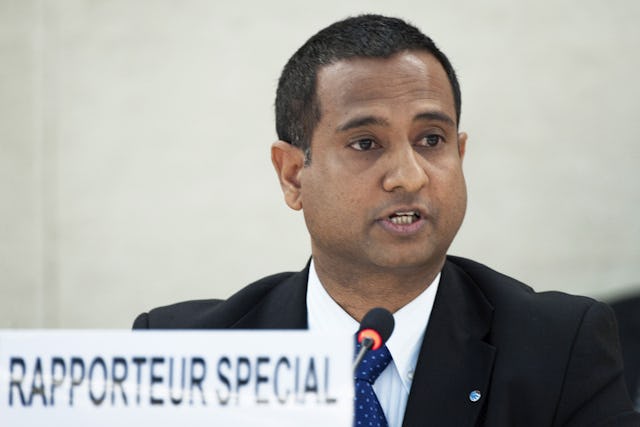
(410,262)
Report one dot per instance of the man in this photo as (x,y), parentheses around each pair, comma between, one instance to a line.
(367,114)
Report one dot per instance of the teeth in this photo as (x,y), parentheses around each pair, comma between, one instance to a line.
(405,213)
(399,220)
(404,218)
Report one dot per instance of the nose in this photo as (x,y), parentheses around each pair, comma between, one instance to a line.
(405,170)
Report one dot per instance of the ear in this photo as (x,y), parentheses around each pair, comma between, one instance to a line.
(462,144)
(288,161)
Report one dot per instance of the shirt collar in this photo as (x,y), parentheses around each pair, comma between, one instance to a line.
(325,315)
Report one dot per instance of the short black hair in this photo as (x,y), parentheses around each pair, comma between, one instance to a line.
(372,36)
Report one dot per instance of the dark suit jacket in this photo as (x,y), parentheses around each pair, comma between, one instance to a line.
(538,359)
(628,313)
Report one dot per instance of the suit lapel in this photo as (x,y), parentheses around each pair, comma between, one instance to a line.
(454,358)
(284,307)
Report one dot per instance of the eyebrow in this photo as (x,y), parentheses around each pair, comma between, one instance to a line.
(361,121)
(436,116)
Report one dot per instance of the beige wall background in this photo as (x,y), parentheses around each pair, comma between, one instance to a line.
(134,147)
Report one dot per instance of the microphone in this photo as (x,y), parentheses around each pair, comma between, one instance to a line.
(375,329)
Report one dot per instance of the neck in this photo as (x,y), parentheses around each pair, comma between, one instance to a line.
(358,290)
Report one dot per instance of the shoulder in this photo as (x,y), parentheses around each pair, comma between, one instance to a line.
(211,313)
(627,309)
(541,323)
(513,299)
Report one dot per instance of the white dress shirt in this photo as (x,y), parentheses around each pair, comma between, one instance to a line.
(393,385)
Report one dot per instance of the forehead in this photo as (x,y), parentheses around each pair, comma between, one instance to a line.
(413,77)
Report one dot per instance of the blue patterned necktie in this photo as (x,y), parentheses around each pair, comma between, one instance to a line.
(368,412)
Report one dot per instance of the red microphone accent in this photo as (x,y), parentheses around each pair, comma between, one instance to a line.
(374,335)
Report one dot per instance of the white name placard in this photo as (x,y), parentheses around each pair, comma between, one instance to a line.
(172,378)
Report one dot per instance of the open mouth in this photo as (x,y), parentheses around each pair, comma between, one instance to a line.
(404,218)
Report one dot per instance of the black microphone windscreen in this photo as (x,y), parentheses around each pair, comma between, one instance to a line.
(379,319)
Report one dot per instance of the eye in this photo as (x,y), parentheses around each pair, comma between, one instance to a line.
(364,144)
(431,140)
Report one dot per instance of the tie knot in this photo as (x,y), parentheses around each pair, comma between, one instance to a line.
(373,363)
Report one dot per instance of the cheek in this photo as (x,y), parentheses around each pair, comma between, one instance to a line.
(458,199)
(330,199)
(320,199)
(451,189)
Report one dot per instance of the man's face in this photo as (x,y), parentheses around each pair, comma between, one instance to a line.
(384,188)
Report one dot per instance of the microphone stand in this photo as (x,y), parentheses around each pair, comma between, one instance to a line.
(365,346)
